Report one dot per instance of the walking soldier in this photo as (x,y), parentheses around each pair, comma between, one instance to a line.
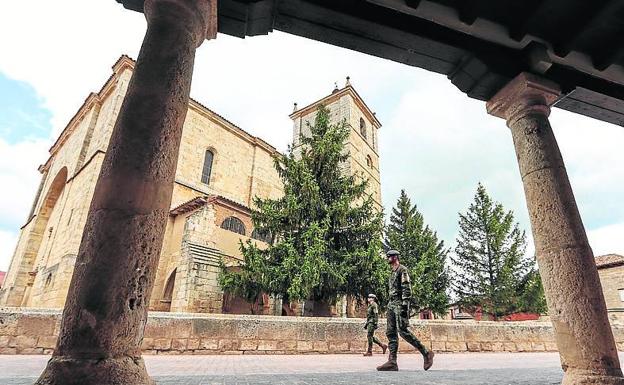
(398,315)
(372,321)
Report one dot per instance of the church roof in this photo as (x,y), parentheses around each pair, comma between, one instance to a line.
(609,260)
(348,89)
(201,200)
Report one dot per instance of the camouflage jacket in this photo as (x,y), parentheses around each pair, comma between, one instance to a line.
(372,314)
(400,287)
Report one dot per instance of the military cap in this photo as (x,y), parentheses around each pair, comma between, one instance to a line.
(392,253)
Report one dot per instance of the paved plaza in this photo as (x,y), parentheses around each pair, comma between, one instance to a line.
(464,369)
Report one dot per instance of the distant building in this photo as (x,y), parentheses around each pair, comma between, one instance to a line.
(220,169)
(611,271)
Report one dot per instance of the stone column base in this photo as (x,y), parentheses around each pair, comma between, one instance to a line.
(584,377)
(108,371)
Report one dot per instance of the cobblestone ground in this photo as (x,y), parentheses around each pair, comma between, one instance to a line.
(451,369)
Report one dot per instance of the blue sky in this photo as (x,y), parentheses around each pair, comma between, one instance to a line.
(22,114)
(435,142)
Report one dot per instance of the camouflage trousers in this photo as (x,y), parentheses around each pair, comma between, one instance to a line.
(398,325)
(370,328)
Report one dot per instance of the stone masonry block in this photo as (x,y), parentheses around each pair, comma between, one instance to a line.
(438,346)
(22,342)
(228,345)
(320,346)
(35,326)
(192,343)
(336,347)
(162,343)
(209,344)
(267,345)
(47,342)
(178,344)
(248,345)
(288,346)
(473,346)
(248,330)
(147,344)
(509,346)
(456,346)
(4,341)
(305,346)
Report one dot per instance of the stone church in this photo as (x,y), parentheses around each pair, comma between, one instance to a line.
(221,168)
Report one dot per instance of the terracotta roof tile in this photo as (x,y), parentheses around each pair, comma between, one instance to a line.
(609,260)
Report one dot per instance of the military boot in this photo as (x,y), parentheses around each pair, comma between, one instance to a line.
(390,365)
(428,360)
(368,353)
(384,347)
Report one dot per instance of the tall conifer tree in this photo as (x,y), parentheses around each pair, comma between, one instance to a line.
(422,253)
(492,271)
(326,231)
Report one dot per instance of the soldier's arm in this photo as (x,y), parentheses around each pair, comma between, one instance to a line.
(406,287)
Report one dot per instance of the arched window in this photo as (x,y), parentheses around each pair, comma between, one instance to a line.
(233,224)
(369,161)
(363,127)
(207,169)
(264,236)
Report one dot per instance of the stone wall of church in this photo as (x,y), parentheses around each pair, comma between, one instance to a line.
(42,266)
(43,261)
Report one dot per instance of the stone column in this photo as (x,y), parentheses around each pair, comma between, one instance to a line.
(106,309)
(566,262)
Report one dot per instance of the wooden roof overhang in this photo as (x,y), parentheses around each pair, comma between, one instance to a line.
(480,45)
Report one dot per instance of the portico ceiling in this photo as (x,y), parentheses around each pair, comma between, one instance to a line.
(480,45)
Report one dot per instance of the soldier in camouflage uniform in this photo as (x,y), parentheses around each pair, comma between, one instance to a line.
(398,315)
(372,320)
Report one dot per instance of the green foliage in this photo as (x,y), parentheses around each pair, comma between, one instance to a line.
(532,297)
(422,253)
(326,231)
(492,270)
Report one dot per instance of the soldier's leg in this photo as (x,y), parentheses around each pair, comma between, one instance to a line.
(377,341)
(391,330)
(393,341)
(371,337)
(408,336)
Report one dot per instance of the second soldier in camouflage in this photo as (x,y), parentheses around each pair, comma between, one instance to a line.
(372,321)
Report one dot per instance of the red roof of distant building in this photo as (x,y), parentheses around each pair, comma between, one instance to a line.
(2,274)
(609,260)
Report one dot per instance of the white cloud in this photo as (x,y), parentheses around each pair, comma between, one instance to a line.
(607,239)
(8,240)
(19,177)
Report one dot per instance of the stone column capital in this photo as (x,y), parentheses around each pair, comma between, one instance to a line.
(524,94)
(199,17)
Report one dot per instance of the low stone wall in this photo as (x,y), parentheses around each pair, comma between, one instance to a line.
(35,332)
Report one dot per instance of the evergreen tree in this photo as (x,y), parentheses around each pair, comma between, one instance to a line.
(422,253)
(532,297)
(326,231)
(492,270)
